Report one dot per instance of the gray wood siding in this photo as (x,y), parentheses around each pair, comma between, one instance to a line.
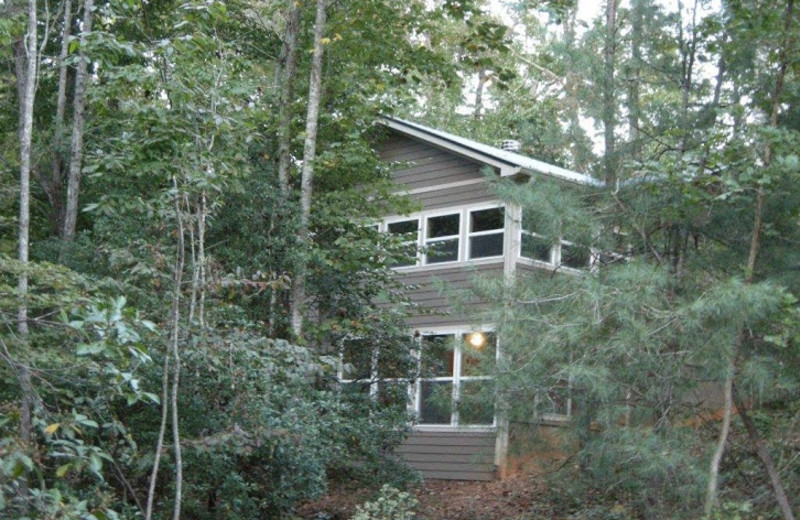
(456,196)
(435,305)
(421,165)
(460,455)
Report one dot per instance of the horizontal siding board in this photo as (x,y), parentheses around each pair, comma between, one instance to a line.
(447,475)
(466,442)
(433,164)
(428,450)
(399,148)
(459,455)
(449,458)
(461,434)
(433,173)
(433,306)
(456,196)
(424,321)
(460,468)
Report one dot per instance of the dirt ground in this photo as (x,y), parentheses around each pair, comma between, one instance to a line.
(515,498)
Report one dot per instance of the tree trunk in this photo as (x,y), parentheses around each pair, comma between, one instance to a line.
(309,153)
(287,84)
(78,120)
(722,441)
(26,87)
(688,50)
(634,80)
(151,491)
(755,244)
(609,94)
(479,93)
(56,184)
(175,353)
(766,458)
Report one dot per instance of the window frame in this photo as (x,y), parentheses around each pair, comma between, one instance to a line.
(464,236)
(414,386)
(469,234)
(555,254)
(456,379)
(425,242)
(384,228)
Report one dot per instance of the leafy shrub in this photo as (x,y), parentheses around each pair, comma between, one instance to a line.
(391,504)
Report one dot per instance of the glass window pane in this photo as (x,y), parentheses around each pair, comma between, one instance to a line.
(535,247)
(403,227)
(396,361)
(484,246)
(442,251)
(408,230)
(436,402)
(478,353)
(528,223)
(556,401)
(356,390)
(356,360)
(487,219)
(444,226)
(437,356)
(393,394)
(575,256)
(476,402)
(406,256)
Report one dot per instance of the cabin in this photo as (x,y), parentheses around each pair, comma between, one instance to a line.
(462,231)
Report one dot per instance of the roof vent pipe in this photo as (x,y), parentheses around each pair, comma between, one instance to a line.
(511,145)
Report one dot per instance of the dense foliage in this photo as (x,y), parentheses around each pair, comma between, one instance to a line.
(150,366)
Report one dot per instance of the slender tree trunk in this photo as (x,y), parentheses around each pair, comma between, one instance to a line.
(26,86)
(202,212)
(57,169)
(766,458)
(479,93)
(722,441)
(309,154)
(634,79)
(721,66)
(755,245)
(175,352)
(609,94)
(287,85)
(761,449)
(688,50)
(165,403)
(285,81)
(78,120)
(193,292)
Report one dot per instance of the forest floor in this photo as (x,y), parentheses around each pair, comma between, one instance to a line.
(514,498)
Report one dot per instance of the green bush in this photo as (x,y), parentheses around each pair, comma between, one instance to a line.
(391,504)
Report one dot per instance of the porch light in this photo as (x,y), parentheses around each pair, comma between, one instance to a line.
(476,340)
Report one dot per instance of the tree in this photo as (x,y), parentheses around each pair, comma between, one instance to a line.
(78,119)
(309,156)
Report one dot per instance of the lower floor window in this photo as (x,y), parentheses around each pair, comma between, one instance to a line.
(453,387)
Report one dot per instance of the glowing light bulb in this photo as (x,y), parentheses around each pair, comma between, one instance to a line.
(476,340)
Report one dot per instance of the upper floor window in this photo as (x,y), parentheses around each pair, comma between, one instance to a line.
(486,232)
(408,231)
(442,238)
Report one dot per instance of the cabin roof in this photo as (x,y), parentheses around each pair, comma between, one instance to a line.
(510,163)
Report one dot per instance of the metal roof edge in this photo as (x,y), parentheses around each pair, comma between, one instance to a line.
(485,153)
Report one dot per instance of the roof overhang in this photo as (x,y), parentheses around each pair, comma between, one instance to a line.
(509,164)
